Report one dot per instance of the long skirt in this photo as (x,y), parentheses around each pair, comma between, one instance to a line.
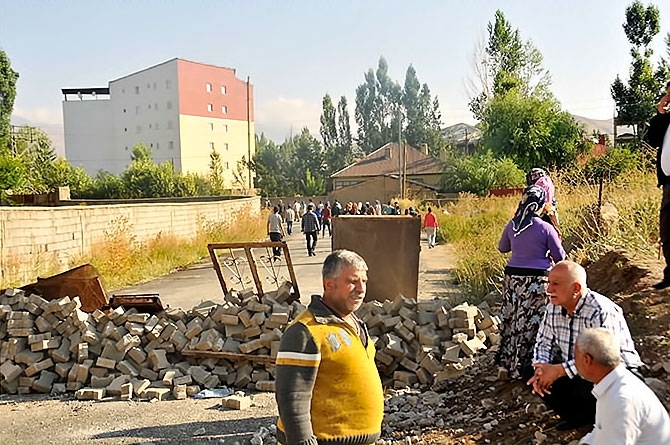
(524,304)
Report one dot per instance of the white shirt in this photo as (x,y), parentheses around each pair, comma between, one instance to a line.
(290,215)
(627,412)
(275,221)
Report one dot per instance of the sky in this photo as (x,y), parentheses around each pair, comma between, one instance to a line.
(295,51)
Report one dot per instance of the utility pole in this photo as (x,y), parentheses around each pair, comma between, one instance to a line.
(400,151)
(249,135)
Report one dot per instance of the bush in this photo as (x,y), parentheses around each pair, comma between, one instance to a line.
(480,173)
(614,163)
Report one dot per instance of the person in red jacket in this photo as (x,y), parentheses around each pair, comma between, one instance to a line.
(430,225)
(326,216)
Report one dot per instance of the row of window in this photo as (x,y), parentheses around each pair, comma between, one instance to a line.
(340,184)
(156,126)
(208,87)
(158,147)
(168,85)
(212,146)
(138,108)
(224,108)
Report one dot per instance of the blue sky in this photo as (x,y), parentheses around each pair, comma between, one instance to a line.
(296,51)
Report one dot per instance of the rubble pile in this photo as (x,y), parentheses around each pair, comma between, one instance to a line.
(427,342)
(54,346)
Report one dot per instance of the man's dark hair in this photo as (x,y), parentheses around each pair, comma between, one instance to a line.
(275,209)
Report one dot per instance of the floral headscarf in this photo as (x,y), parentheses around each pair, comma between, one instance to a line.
(531,201)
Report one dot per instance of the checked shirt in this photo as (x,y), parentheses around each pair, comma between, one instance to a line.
(558,328)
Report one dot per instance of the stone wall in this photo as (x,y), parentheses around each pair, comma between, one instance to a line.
(36,239)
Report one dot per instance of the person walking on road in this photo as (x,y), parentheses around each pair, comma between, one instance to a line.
(275,230)
(310,227)
(290,217)
(326,215)
(430,225)
(328,388)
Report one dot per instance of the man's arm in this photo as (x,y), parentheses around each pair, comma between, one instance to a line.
(297,362)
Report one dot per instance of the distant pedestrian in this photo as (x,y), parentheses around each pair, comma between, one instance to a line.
(290,217)
(275,230)
(430,225)
(325,218)
(310,227)
(297,207)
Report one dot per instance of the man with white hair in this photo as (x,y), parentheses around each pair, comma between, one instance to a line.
(572,308)
(627,411)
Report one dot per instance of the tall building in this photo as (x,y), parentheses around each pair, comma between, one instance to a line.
(181,110)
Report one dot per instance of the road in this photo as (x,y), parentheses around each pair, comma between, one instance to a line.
(197,283)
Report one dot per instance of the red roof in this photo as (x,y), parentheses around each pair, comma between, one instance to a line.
(385,160)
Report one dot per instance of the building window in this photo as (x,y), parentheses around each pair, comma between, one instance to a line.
(138,129)
(169,105)
(156,126)
(124,110)
(209,87)
(151,145)
(126,130)
(225,128)
(225,146)
(170,145)
(149,106)
(211,126)
(149,125)
(169,125)
(210,107)
(223,89)
(137,90)
(137,109)
(225,165)
(224,109)
(126,148)
(168,84)
(157,146)
(123,91)
(148,86)
(154,86)
(156,107)
(211,145)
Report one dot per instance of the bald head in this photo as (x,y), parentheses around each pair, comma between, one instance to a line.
(573,271)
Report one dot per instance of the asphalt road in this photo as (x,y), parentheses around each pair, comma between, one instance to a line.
(198,283)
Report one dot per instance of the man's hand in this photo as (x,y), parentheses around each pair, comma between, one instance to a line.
(545,376)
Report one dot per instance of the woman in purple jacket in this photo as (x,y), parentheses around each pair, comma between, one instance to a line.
(535,247)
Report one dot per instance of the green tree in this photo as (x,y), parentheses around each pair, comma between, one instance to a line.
(8,79)
(344,130)
(336,136)
(636,100)
(414,112)
(216,172)
(62,174)
(12,172)
(532,131)
(480,173)
(507,63)
(271,165)
(328,128)
(378,101)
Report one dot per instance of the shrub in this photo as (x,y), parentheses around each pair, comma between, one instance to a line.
(480,173)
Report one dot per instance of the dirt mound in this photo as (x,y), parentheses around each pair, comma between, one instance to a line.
(616,274)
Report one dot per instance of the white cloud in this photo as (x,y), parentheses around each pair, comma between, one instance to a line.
(280,117)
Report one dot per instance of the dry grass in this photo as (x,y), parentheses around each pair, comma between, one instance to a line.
(121,260)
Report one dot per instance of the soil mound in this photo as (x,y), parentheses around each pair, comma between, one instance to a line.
(616,274)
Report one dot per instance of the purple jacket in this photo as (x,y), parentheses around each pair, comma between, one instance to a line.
(537,247)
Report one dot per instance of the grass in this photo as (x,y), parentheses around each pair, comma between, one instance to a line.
(473,226)
(122,260)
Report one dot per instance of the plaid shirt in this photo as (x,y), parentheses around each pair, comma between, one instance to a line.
(310,223)
(561,329)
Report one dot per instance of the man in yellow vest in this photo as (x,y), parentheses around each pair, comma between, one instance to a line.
(327,385)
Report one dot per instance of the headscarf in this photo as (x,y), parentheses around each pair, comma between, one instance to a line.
(531,201)
(534,174)
(539,177)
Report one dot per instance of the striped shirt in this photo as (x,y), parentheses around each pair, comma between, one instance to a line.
(310,223)
(561,329)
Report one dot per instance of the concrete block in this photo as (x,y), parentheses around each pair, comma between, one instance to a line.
(10,371)
(158,359)
(179,392)
(90,394)
(101,382)
(140,385)
(114,388)
(126,391)
(236,402)
(265,385)
(155,393)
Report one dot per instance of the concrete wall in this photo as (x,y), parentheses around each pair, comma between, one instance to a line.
(36,239)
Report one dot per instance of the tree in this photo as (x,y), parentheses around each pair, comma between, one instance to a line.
(414,132)
(344,128)
(216,172)
(328,128)
(8,79)
(532,131)
(378,101)
(507,62)
(636,100)
(336,136)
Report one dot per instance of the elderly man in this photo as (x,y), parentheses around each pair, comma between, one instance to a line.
(627,411)
(327,385)
(573,307)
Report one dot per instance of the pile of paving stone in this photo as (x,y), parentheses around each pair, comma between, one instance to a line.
(54,347)
(426,342)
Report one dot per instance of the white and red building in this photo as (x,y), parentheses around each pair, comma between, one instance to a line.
(182,110)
